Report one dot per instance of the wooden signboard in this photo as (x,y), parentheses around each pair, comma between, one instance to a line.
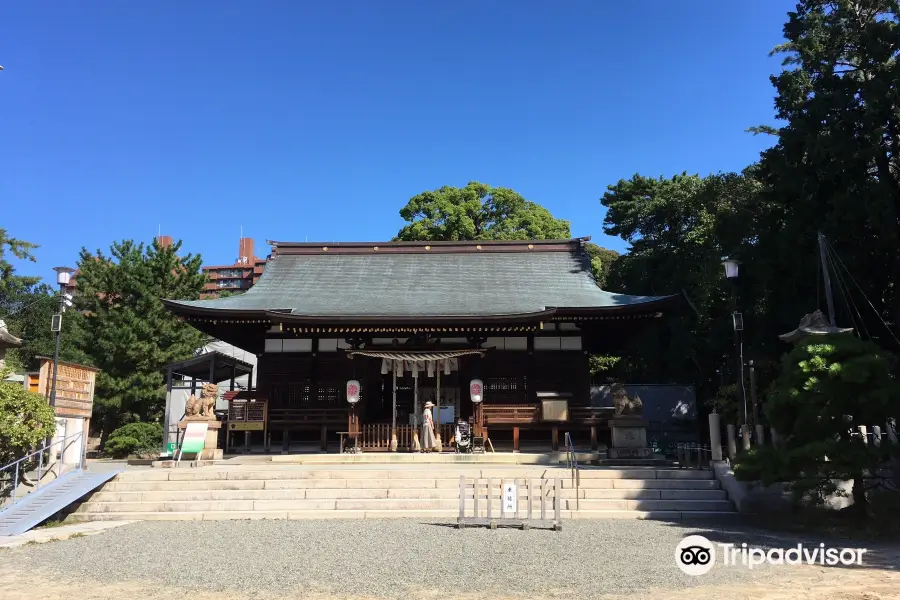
(74,387)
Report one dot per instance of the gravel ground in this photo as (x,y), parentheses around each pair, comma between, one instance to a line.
(399,559)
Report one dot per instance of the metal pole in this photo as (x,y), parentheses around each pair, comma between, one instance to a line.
(738,353)
(827,277)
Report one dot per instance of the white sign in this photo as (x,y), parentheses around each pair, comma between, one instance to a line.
(509,498)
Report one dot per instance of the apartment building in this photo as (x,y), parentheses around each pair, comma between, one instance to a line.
(237,277)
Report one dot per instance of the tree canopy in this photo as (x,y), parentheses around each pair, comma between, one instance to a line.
(128,333)
(478,212)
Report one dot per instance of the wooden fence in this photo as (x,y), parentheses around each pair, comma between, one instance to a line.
(492,502)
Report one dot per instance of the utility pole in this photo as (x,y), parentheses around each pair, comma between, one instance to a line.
(829,298)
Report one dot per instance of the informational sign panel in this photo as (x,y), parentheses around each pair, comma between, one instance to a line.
(194,438)
(74,387)
(247,426)
(509,498)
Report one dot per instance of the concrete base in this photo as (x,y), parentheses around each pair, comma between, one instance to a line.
(171,464)
(629,438)
(636,453)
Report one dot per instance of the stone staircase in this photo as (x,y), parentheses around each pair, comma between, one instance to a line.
(261,491)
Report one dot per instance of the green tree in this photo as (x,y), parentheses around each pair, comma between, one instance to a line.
(36,306)
(835,165)
(25,420)
(26,305)
(11,285)
(128,333)
(478,212)
(679,229)
(828,387)
(602,260)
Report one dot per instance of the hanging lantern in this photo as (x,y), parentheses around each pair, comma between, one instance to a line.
(353,391)
(476,390)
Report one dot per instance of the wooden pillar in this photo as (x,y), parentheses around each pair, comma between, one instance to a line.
(530,388)
(594,443)
(437,407)
(166,417)
(515,439)
(416,445)
(554,438)
(285,441)
(324,437)
(394,406)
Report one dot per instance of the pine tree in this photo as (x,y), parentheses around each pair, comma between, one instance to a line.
(128,333)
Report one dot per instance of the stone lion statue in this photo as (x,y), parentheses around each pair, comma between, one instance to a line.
(623,404)
(205,405)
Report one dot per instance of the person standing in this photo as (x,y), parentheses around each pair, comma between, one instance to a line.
(429,442)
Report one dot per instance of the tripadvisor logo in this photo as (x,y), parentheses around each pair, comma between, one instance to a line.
(696,555)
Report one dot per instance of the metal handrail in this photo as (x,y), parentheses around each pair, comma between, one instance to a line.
(572,465)
(16,465)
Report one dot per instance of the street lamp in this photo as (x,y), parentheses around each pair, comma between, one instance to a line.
(63,277)
(732,268)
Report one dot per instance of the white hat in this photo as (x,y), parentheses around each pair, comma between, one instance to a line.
(429,404)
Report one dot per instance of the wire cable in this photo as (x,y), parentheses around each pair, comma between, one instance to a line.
(845,292)
(872,306)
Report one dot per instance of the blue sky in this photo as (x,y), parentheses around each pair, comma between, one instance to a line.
(319,120)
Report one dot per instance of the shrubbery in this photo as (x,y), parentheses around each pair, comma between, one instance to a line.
(26,420)
(134,438)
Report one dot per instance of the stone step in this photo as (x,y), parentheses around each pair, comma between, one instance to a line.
(652,505)
(442,515)
(254,473)
(386,493)
(619,494)
(316,494)
(663,515)
(395,504)
(425,483)
(646,484)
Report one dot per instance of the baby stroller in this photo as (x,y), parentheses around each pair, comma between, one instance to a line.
(463,437)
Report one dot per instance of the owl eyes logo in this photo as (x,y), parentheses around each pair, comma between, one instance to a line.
(695,555)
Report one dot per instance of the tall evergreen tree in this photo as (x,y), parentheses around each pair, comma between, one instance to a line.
(129,334)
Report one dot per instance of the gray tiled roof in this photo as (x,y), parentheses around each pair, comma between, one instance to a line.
(424,285)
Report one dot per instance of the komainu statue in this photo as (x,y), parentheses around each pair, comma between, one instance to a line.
(205,405)
(624,405)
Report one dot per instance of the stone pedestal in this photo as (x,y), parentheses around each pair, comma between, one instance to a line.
(629,438)
(715,436)
(211,450)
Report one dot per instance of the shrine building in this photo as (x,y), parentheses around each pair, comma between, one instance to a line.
(419,321)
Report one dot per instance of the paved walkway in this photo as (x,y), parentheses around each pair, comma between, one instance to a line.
(55,534)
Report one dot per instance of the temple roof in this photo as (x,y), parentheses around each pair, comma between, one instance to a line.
(421,280)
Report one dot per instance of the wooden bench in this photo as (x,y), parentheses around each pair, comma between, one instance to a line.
(293,419)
